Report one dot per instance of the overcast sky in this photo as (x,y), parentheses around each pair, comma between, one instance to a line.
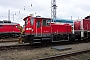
(22,8)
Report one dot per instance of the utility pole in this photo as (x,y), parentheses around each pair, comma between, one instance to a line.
(53,9)
(8,14)
(13,17)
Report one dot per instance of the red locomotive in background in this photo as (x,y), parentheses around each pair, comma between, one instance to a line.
(82,29)
(40,30)
(9,29)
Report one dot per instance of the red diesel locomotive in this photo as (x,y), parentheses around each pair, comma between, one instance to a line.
(42,30)
(9,29)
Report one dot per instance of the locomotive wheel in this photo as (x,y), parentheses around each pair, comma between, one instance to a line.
(31,42)
(30,39)
(79,38)
(88,39)
(0,37)
(72,38)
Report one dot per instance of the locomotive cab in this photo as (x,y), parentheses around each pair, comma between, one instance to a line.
(37,26)
(37,29)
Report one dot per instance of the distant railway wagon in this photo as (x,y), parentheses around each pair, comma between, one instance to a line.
(82,29)
(9,29)
(39,30)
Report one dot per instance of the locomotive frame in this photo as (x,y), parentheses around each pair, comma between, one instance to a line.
(39,30)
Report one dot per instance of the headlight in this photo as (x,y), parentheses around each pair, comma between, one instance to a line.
(26,28)
(29,29)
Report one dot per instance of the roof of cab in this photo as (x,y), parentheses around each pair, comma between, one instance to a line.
(36,18)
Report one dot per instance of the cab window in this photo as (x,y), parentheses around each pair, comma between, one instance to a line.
(32,21)
(1,26)
(38,23)
(26,21)
(44,22)
(12,26)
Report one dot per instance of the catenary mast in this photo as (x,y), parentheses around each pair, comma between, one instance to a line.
(53,9)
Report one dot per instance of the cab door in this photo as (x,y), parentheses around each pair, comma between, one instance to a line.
(38,27)
(42,27)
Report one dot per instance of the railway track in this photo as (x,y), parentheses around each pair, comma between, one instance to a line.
(39,52)
(13,44)
(69,56)
(13,47)
(9,40)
